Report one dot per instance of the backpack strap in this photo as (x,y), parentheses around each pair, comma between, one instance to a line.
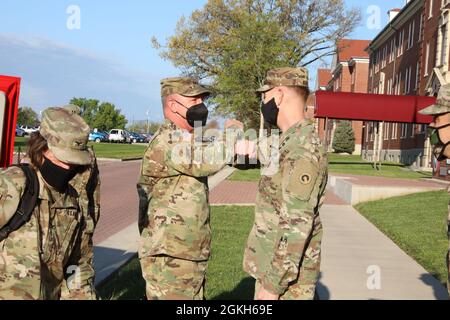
(26,205)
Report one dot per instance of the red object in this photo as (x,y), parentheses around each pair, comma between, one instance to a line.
(10,86)
(372,107)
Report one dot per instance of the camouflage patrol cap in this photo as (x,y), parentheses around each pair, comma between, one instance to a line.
(188,87)
(442,104)
(297,77)
(67,135)
(73,109)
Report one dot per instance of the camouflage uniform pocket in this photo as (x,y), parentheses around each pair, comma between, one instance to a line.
(61,236)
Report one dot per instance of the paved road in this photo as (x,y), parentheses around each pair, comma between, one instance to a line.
(119,199)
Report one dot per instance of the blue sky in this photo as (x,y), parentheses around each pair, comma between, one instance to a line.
(110,57)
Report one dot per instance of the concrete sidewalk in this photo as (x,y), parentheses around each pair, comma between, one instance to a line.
(359,262)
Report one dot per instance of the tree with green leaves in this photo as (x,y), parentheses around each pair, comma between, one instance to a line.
(26,116)
(231,44)
(103,116)
(143,126)
(89,108)
(344,138)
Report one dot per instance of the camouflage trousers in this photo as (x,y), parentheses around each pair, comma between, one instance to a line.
(304,288)
(169,278)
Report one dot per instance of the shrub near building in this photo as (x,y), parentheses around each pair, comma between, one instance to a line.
(344,138)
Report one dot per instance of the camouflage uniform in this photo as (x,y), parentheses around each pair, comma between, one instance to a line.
(50,257)
(442,106)
(174,217)
(283,249)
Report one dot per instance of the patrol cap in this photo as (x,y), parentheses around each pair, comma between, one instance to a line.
(67,135)
(442,104)
(184,86)
(296,77)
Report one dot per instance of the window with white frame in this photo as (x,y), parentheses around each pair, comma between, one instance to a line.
(401,37)
(371,131)
(416,86)
(386,130)
(405,90)
(413,130)
(427,58)
(394,130)
(411,30)
(381,83)
(377,63)
(392,50)
(367,131)
(444,45)
(430,11)
(398,80)
(422,128)
(407,80)
(420,28)
(383,62)
(389,86)
(403,130)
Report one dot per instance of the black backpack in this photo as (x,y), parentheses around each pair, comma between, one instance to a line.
(26,204)
(30,197)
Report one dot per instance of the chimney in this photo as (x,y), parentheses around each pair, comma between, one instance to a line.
(393,13)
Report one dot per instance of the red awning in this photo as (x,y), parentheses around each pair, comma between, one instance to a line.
(10,86)
(372,107)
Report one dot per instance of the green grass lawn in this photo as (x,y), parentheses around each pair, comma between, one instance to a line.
(225,277)
(118,150)
(20,142)
(417,223)
(347,164)
(246,175)
(102,150)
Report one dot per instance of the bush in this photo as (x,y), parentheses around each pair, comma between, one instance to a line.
(344,138)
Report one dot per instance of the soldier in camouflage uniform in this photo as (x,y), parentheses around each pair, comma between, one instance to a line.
(50,257)
(174,213)
(440,139)
(283,248)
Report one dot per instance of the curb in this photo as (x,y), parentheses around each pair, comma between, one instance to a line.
(120,160)
(115,272)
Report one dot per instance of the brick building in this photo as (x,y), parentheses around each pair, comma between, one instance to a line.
(408,57)
(349,73)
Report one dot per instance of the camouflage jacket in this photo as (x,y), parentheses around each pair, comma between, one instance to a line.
(287,209)
(50,257)
(174,215)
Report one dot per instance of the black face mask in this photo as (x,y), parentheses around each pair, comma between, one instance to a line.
(270,112)
(56,176)
(439,147)
(196,114)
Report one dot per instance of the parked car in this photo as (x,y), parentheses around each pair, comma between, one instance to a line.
(29,130)
(98,137)
(20,132)
(119,135)
(106,134)
(137,138)
(148,136)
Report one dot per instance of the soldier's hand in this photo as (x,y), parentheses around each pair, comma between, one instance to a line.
(263,294)
(246,148)
(233,122)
